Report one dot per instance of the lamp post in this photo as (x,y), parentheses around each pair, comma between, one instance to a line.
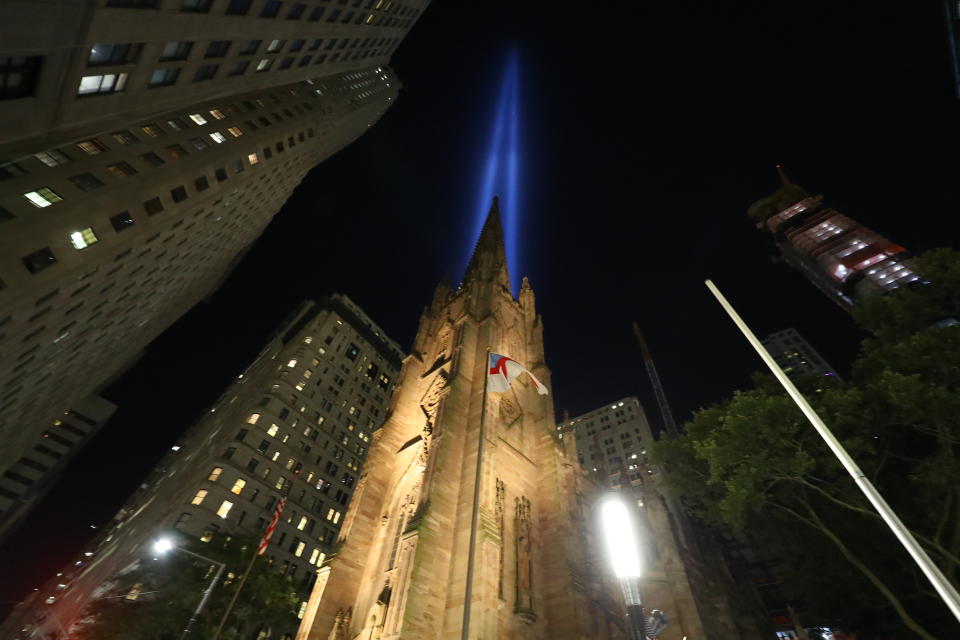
(163,545)
(619,533)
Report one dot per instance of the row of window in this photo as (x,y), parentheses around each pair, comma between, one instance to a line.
(296,10)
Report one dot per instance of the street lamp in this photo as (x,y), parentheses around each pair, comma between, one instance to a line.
(623,548)
(164,545)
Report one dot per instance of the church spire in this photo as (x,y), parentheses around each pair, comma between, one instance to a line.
(784,180)
(489,259)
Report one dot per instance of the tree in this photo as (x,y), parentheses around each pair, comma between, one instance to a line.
(155,598)
(753,462)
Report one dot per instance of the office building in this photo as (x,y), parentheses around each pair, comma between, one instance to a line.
(28,479)
(298,422)
(795,355)
(146,145)
(838,255)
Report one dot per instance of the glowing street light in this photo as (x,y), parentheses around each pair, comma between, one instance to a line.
(623,549)
(163,545)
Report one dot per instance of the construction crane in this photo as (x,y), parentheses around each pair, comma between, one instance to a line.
(668,422)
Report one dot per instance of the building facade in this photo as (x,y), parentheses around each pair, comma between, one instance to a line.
(28,479)
(795,355)
(298,422)
(145,145)
(838,255)
(404,561)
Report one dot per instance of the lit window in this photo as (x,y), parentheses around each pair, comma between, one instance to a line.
(199,119)
(333,516)
(176,124)
(201,494)
(42,197)
(292,363)
(215,474)
(52,158)
(235,131)
(92,146)
(264,64)
(216,113)
(314,556)
(238,486)
(121,169)
(302,523)
(224,509)
(276,454)
(253,159)
(176,50)
(217,137)
(108,83)
(153,130)
(163,77)
(300,547)
(253,418)
(272,431)
(83,238)
(275,45)
(308,339)
(125,137)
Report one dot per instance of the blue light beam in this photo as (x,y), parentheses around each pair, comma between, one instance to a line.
(502,169)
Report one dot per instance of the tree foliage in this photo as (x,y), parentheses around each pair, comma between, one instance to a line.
(168,589)
(754,462)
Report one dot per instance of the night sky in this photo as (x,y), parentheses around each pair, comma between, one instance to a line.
(647,130)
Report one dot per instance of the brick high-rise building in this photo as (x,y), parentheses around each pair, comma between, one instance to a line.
(297,422)
(145,145)
(402,564)
(838,255)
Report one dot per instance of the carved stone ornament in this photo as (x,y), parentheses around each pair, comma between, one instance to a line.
(430,402)
(524,526)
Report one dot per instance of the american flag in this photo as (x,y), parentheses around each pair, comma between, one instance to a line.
(273,525)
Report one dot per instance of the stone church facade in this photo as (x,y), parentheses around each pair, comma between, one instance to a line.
(400,569)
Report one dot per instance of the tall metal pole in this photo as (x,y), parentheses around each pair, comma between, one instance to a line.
(631,595)
(206,593)
(475,516)
(948,593)
(668,422)
(233,600)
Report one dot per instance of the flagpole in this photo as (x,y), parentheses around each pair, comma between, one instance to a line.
(468,593)
(233,600)
(948,593)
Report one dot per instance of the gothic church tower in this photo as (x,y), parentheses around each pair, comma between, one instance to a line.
(400,569)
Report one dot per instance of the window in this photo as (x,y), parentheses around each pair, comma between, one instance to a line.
(83,238)
(253,159)
(121,169)
(198,498)
(196,6)
(239,68)
(305,60)
(249,47)
(275,45)
(92,146)
(176,151)
(296,11)
(199,143)
(176,50)
(133,4)
(297,45)
(316,14)
(315,44)
(333,15)
(217,49)
(287,63)
(179,194)
(153,206)
(270,8)
(19,74)
(153,130)
(199,119)
(151,159)
(252,465)
(221,174)
(52,158)
(229,453)
(176,124)
(92,85)
(267,153)
(254,417)
(218,114)
(272,431)
(217,137)
(215,474)
(86,181)
(163,77)
(205,72)
(224,509)
(10,170)
(125,137)
(234,131)
(201,183)
(238,486)
(121,221)
(119,53)
(39,260)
